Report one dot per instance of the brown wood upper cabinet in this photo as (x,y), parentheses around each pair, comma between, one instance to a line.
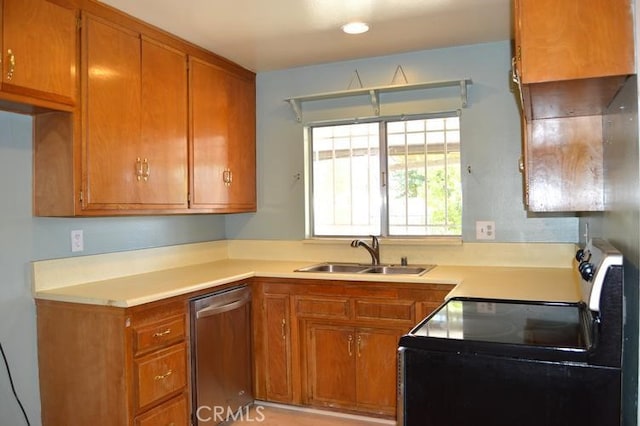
(39,52)
(39,69)
(135,115)
(223,150)
(124,148)
(571,57)
(570,60)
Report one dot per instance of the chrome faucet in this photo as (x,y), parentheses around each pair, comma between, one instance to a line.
(373,249)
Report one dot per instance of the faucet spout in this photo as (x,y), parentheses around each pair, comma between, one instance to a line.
(373,249)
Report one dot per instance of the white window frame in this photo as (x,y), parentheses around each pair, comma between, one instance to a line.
(384,213)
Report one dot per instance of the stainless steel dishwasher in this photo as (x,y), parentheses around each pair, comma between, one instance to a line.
(221,355)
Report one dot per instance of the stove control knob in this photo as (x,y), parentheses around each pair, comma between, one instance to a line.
(586,270)
(583,255)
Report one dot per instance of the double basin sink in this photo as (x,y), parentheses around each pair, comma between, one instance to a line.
(359,268)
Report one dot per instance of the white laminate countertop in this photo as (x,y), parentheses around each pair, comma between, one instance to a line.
(519,283)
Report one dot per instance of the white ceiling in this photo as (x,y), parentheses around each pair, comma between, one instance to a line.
(265,35)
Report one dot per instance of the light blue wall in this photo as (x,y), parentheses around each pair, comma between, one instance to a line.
(490,132)
(24,238)
(492,192)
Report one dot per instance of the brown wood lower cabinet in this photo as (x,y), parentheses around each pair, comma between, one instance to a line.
(276,328)
(329,344)
(352,368)
(175,412)
(333,344)
(112,366)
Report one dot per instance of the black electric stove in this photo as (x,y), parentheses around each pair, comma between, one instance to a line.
(510,362)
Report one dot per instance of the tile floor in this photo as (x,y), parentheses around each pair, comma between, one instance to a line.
(276,415)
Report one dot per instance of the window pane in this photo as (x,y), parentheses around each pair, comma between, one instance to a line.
(346,170)
(425,193)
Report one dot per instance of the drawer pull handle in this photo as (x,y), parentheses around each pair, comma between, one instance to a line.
(162,333)
(359,343)
(349,345)
(163,376)
(284,332)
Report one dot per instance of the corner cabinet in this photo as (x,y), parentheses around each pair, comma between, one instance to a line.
(333,344)
(161,127)
(570,61)
(39,68)
(223,140)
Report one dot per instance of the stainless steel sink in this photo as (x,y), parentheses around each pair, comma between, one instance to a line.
(358,268)
(345,268)
(393,269)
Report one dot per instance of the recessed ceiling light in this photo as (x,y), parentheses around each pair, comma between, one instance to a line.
(355,28)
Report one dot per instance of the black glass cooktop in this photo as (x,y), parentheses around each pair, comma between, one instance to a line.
(505,327)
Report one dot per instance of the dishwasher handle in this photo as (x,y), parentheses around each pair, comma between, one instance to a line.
(218,309)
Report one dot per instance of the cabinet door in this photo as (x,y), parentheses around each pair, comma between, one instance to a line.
(277,347)
(596,41)
(111,114)
(39,41)
(210,138)
(564,164)
(242,138)
(163,147)
(223,139)
(376,372)
(331,363)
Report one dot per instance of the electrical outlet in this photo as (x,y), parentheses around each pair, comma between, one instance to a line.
(485,230)
(77,240)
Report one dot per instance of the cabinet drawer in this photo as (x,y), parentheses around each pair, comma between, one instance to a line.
(160,374)
(158,334)
(174,413)
(398,310)
(322,307)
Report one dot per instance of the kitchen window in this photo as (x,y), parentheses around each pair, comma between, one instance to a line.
(395,177)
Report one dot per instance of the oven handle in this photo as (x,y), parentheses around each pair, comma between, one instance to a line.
(215,309)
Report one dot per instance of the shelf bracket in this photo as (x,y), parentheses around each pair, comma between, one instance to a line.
(463,93)
(297,109)
(375,101)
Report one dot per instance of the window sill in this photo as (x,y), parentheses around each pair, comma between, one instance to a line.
(393,241)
